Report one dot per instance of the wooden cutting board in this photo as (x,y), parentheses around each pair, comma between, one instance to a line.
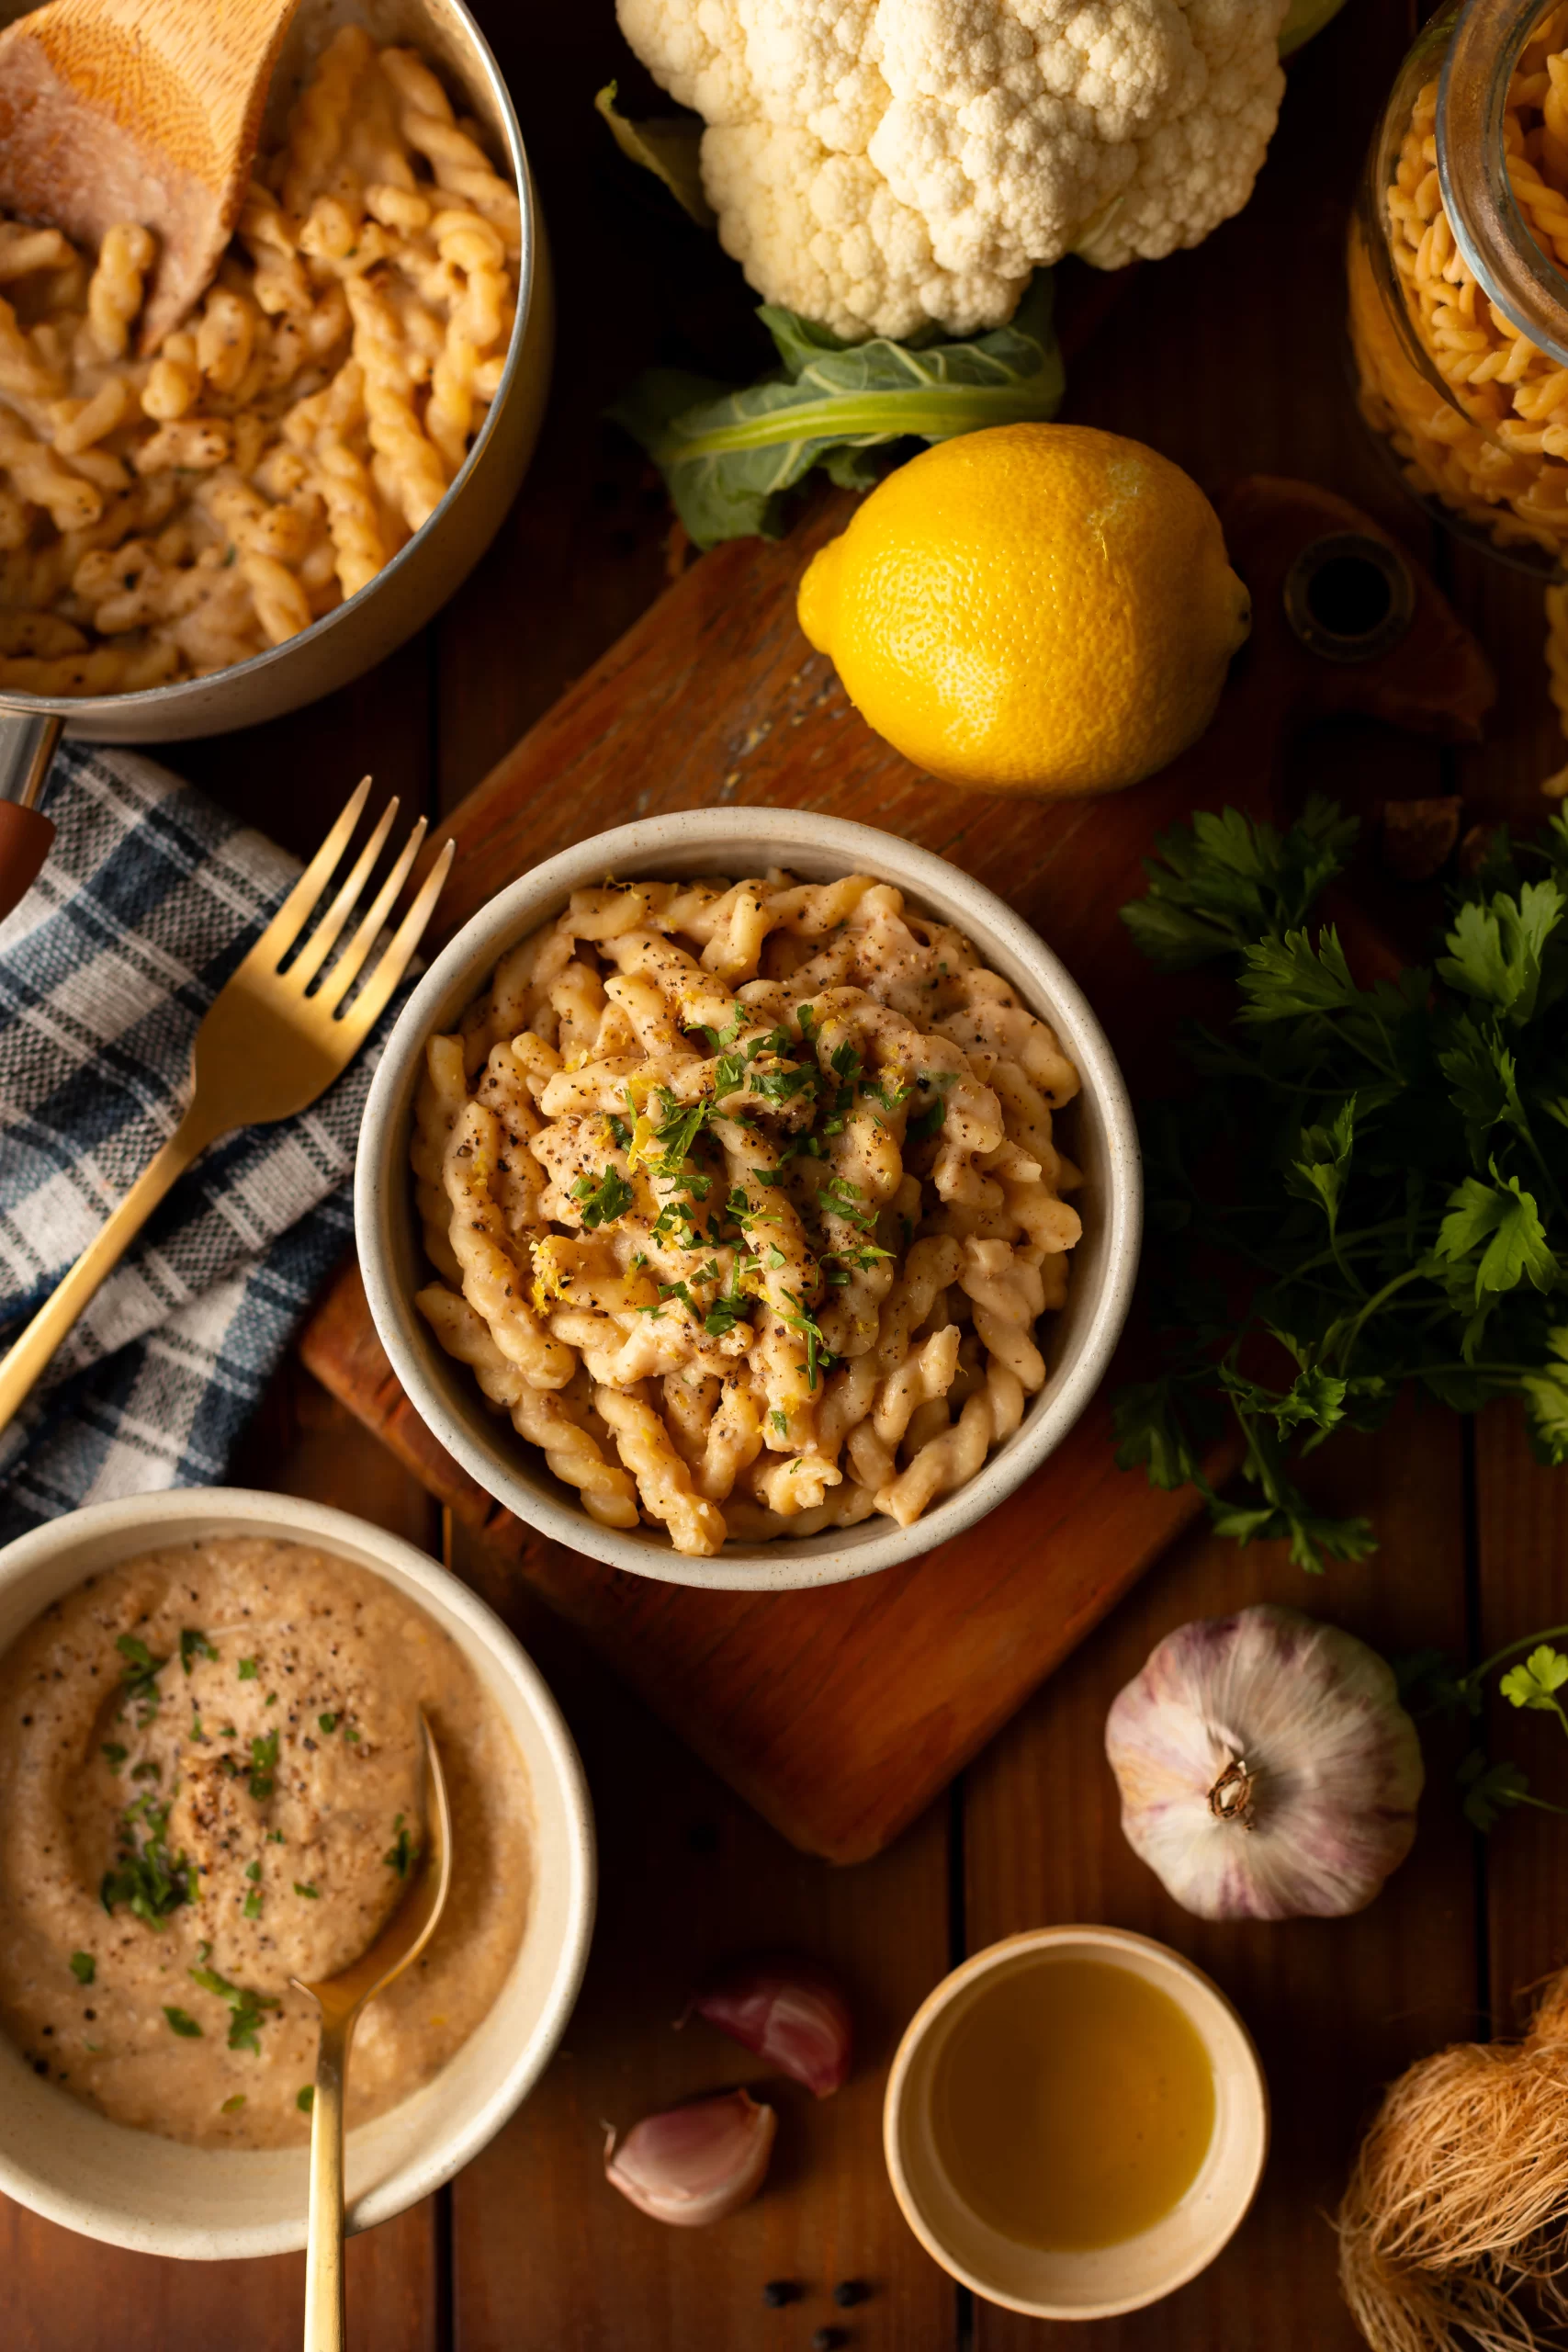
(839,1713)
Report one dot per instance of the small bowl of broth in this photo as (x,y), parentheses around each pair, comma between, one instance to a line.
(1076,2122)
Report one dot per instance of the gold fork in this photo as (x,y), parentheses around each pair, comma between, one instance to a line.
(265,1051)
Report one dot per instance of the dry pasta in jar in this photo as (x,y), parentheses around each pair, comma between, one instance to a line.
(1475,411)
(743,1203)
(163,516)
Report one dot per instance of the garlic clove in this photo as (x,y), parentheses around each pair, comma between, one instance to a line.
(787,2010)
(1265,1766)
(697,2162)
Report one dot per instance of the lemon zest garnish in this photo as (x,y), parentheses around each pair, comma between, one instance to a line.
(551,1279)
(645,1147)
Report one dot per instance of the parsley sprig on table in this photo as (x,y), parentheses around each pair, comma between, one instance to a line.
(1387,1168)
(1430,1684)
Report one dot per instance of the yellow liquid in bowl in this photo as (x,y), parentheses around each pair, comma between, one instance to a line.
(1073,2104)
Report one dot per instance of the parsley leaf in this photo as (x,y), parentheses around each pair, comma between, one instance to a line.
(263,1765)
(1490,1790)
(84,1967)
(145,1876)
(1537,1682)
(182,2024)
(138,1686)
(194,1644)
(603,1200)
(1503,1218)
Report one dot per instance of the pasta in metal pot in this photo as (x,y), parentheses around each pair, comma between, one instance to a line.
(743,1203)
(163,516)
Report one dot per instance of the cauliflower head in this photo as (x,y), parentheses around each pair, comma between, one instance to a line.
(881,164)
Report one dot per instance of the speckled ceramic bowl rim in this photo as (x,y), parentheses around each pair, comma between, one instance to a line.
(739,840)
(454,2144)
(1092,1941)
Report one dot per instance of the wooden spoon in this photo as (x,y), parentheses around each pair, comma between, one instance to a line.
(139,110)
(340,1999)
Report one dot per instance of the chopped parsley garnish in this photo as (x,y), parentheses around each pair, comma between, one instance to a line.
(780,1421)
(246,2009)
(927,1123)
(115,1754)
(350,1734)
(604,1199)
(182,2024)
(194,1644)
(306,2099)
(327,1723)
(251,1907)
(719,1038)
(263,1765)
(253,1872)
(145,1876)
(679,1131)
(249,1670)
(148,1769)
(818,1356)
(84,1967)
(620,1134)
(312,1893)
(840,1198)
(140,1687)
(402,1853)
(232,2106)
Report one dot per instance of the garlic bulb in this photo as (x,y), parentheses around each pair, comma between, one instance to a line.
(789,2011)
(1266,1768)
(697,2162)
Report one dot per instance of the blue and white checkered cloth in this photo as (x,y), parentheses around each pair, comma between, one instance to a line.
(148,899)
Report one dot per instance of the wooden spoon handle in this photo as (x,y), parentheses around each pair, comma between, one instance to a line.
(325,2306)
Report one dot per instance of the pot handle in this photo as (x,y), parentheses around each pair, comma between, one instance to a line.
(27,746)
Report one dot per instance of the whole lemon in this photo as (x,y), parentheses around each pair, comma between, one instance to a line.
(1035,608)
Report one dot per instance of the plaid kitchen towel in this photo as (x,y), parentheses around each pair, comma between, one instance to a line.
(148,899)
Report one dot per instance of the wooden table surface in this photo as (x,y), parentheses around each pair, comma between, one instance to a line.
(1230,359)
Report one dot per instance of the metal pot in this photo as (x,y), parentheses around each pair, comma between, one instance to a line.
(424,573)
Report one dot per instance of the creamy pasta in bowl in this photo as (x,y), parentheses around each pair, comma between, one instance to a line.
(272,498)
(713,1206)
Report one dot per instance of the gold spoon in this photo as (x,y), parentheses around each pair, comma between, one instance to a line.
(340,2001)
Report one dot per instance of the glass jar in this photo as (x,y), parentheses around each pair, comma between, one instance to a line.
(1457,303)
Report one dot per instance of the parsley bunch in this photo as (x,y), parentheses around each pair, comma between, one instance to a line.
(1385,1168)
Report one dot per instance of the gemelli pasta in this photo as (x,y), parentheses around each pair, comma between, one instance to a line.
(1498,450)
(744,1205)
(163,516)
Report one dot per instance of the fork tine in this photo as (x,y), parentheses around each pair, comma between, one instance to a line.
(324,939)
(284,929)
(371,1002)
(344,972)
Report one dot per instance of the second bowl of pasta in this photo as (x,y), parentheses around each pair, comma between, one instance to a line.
(748,1198)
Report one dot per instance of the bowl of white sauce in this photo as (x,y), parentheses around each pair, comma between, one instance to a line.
(208,1749)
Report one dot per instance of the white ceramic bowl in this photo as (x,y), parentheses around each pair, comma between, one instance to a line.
(1098,2283)
(132,2189)
(1099,1127)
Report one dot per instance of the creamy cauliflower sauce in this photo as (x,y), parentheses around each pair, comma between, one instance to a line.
(210,1781)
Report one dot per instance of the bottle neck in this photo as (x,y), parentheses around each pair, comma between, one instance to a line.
(1488,225)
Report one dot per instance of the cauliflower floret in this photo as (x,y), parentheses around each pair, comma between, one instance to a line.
(879,165)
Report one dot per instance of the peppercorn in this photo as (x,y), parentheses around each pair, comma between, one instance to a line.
(850,2291)
(779,2292)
